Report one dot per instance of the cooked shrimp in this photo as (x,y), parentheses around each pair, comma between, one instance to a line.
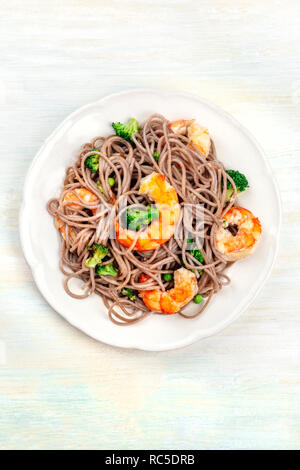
(199,135)
(171,301)
(239,234)
(85,194)
(60,226)
(160,230)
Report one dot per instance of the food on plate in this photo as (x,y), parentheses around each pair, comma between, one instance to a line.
(198,135)
(172,300)
(148,219)
(240,182)
(161,225)
(238,235)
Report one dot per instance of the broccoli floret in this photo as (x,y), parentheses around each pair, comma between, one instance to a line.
(92,162)
(137,218)
(111,182)
(107,270)
(198,256)
(127,292)
(126,130)
(99,252)
(156,156)
(240,181)
(198,299)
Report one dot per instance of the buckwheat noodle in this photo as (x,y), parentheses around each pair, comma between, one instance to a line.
(197,180)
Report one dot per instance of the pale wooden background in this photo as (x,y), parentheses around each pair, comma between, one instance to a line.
(61,389)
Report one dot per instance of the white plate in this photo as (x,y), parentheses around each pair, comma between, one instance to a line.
(235,147)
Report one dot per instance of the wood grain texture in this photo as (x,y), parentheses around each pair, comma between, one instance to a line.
(59,388)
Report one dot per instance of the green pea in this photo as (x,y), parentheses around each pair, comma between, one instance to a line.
(168,277)
(111,181)
(198,299)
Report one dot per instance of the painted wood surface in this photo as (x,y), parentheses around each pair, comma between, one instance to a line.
(59,388)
